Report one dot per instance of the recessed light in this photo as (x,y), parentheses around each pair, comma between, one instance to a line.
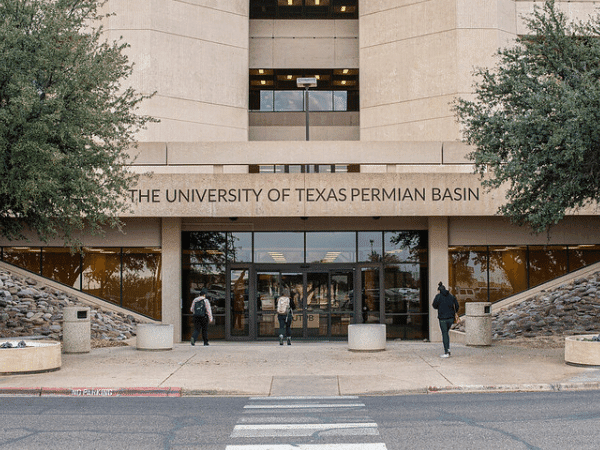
(343,9)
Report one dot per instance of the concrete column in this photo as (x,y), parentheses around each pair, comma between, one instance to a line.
(171,274)
(438,268)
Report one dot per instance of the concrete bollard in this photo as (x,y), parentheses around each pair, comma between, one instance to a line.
(478,323)
(369,337)
(154,336)
(76,330)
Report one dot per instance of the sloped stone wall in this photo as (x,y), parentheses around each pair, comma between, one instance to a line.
(27,309)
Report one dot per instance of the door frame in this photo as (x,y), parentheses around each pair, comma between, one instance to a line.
(304,270)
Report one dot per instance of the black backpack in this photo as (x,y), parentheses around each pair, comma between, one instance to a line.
(200,308)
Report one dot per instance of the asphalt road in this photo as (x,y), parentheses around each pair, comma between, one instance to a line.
(559,420)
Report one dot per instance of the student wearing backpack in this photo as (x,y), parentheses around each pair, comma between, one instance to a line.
(202,316)
(285,314)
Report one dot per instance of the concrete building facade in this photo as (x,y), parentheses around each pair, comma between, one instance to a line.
(360,222)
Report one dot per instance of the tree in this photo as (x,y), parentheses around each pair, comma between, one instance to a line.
(65,120)
(535,119)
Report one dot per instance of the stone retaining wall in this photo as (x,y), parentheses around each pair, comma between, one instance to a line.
(27,309)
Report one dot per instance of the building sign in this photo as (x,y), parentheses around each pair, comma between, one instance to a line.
(311,195)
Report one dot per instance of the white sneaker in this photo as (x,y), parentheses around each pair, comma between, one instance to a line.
(445,355)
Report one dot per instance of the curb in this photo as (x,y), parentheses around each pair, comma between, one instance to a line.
(559,387)
(91,392)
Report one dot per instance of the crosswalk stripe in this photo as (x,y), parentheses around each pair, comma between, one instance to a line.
(312,426)
(306,405)
(309,447)
(301,429)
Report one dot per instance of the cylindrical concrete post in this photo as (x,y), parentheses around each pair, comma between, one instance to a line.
(478,323)
(76,329)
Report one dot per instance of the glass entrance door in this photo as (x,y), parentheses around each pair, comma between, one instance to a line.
(324,304)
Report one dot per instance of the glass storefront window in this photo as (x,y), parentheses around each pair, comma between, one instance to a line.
(546,263)
(370,295)
(266,100)
(468,274)
(204,247)
(402,246)
(370,246)
(102,273)
(279,247)
(583,255)
(62,265)
(405,307)
(142,281)
(330,247)
(508,271)
(25,257)
(239,303)
(239,247)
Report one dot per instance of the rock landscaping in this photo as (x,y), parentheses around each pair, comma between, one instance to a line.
(570,309)
(27,309)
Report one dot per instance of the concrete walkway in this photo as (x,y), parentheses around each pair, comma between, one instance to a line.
(305,368)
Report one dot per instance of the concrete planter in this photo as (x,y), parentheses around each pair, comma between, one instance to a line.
(582,351)
(38,356)
(154,336)
(366,337)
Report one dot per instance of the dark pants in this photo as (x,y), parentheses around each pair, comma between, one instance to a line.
(445,325)
(200,323)
(284,323)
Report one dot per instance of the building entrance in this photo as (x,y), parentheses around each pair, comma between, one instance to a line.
(323,299)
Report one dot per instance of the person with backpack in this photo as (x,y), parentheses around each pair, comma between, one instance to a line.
(202,316)
(447,307)
(285,314)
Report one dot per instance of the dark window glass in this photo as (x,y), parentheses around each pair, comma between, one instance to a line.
(583,255)
(546,263)
(25,257)
(62,265)
(142,289)
(468,273)
(102,273)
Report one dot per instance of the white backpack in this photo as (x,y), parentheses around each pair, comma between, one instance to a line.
(283,305)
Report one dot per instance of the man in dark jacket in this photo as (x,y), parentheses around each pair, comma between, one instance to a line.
(447,306)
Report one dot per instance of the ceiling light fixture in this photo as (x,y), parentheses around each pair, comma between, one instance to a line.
(345,71)
(343,9)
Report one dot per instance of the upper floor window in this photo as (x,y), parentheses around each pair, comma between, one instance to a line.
(304,9)
(305,168)
(276,90)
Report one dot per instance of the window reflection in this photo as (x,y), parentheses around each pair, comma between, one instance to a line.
(583,255)
(279,247)
(546,263)
(508,271)
(102,273)
(239,303)
(320,100)
(288,101)
(25,257)
(330,247)
(142,281)
(468,274)
(62,265)
(239,247)
(370,246)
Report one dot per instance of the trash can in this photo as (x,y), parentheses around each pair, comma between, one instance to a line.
(478,323)
(76,330)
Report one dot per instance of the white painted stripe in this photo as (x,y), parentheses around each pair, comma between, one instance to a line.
(305,426)
(316,397)
(309,447)
(297,430)
(306,405)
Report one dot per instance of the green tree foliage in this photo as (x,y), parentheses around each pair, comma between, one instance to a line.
(65,120)
(535,119)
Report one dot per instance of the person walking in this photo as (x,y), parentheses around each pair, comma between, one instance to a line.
(202,316)
(447,307)
(285,314)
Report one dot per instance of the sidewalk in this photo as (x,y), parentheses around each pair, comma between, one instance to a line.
(305,368)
